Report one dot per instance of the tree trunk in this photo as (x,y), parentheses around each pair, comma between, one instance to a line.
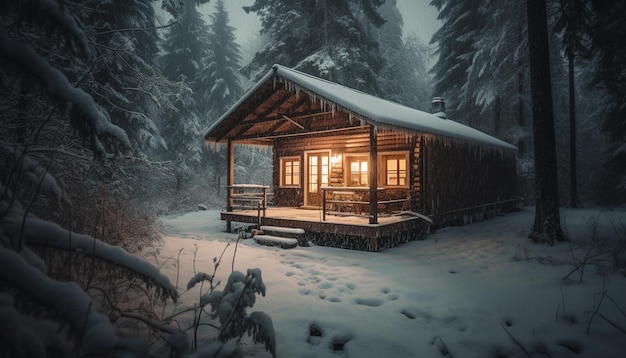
(497,120)
(547,226)
(573,200)
(521,144)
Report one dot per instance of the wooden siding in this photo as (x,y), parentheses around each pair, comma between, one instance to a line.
(448,179)
(461,178)
(347,143)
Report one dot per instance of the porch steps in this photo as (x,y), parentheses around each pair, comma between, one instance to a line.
(269,240)
(284,237)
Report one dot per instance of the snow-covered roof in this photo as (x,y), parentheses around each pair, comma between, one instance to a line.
(373,110)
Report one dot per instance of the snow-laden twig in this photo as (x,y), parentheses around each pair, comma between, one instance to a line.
(199,277)
(517,342)
(55,10)
(444,348)
(41,232)
(135,29)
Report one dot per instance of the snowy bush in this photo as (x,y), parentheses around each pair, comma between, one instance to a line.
(56,315)
(64,293)
(229,308)
(109,214)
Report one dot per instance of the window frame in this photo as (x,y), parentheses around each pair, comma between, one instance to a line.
(384,173)
(382,167)
(283,173)
(348,160)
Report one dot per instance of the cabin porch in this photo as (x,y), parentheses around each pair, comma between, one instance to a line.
(340,230)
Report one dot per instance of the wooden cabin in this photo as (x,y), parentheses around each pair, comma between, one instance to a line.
(356,171)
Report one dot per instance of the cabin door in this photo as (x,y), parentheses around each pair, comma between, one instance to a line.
(318,170)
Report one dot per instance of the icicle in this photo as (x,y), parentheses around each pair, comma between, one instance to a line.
(214,146)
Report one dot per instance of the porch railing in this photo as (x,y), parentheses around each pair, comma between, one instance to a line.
(348,200)
(247,197)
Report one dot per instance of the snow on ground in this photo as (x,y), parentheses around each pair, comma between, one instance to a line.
(482,290)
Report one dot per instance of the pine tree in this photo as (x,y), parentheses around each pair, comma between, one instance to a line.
(608,37)
(187,47)
(498,66)
(547,225)
(456,46)
(51,60)
(404,77)
(573,21)
(322,37)
(124,77)
(220,72)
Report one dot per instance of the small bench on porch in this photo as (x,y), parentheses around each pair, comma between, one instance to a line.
(247,196)
(344,201)
(355,201)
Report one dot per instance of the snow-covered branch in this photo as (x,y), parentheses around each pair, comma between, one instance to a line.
(67,299)
(40,232)
(137,29)
(60,14)
(58,85)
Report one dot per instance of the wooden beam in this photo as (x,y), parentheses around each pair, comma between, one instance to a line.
(294,122)
(231,179)
(322,130)
(373,176)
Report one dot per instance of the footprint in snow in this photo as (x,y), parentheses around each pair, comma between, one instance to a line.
(336,344)
(413,313)
(325,285)
(370,302)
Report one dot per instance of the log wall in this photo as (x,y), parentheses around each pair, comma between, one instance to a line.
(356,142)
(448,178)
(461,179)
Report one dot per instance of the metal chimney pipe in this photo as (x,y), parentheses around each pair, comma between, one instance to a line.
(438,107)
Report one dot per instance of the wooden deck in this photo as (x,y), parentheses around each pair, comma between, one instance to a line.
(343,231)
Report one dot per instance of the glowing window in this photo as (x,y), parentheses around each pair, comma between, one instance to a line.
(358,172)
(290,172)
(395,170)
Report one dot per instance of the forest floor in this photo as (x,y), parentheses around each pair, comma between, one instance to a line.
(481,290)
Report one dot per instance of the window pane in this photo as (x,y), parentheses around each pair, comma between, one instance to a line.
(396,170)
(290,171)
(296,172)
(313,171)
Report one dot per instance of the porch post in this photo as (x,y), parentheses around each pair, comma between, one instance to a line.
(373,176)
(230,164)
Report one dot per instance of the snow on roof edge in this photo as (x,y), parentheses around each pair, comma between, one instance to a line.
(385,112)
(372,109)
